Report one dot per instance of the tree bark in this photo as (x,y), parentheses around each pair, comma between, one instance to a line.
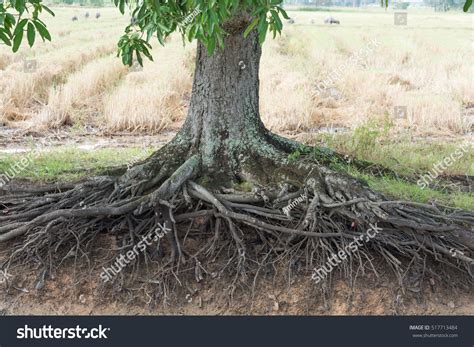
(224,113)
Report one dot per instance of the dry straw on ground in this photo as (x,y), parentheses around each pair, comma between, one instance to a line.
(421,67)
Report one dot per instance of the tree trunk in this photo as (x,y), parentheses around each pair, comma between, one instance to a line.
(224,113)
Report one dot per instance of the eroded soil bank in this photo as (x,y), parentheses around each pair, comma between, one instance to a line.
(74,291)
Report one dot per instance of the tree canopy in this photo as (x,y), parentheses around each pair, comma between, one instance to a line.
(194,19)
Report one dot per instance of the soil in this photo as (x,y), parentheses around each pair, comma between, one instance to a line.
(18,140)
(371,296)
(80,291)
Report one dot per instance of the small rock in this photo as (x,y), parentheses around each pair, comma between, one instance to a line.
(82,299)
(451,305)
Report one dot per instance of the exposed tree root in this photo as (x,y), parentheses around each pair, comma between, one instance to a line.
(247,228)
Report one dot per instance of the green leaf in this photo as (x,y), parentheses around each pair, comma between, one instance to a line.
(17,41)
(5,38)
(31,33)
(44,33)
(139,58)
(262,30)
(122,6)
(211,45)
(147,53)
(250,27)
(19,6)
(192,32)
(19,27)
(283,13)
(46,8)
(9,21)
(276,18)
(467,5)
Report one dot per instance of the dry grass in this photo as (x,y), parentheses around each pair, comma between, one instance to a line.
(81,96)
(23,94)
(422,66)
(154,98)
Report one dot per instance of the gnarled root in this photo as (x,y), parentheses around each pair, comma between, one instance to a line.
(312,214)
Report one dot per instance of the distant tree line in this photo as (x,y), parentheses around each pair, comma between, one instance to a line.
(438,5)
(329,3)
(445,5)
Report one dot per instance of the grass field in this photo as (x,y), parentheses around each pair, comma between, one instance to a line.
(421,68)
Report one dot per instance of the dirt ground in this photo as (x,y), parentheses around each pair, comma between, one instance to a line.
(70,291)
(371,297)
(17,140)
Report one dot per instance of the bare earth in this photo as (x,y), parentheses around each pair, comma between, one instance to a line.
(14,140)
(67,293)
(371,297)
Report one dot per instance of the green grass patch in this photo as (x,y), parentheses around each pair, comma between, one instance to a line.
(406,154)
(403,190)
(68,163)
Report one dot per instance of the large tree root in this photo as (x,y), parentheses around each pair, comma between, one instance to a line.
(51,224)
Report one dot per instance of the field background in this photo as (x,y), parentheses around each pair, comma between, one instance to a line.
(425,66)
(84,111)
